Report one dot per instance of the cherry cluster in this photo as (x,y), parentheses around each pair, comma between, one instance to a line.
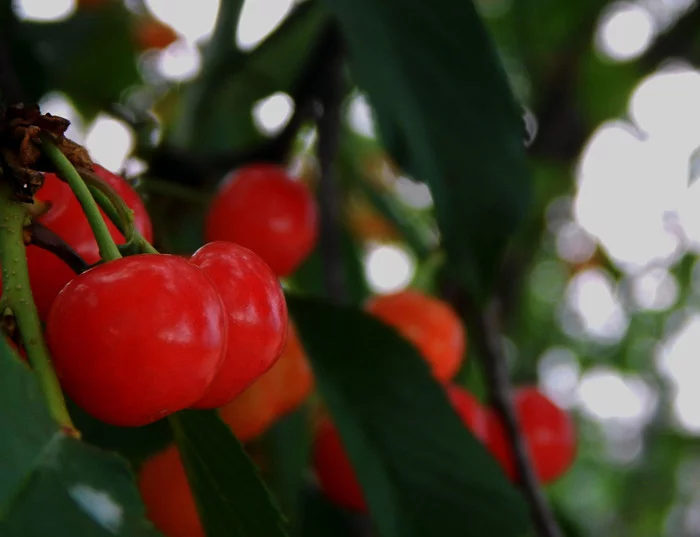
(136,338)
(157,332)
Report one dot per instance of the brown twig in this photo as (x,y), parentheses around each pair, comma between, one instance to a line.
(328,123)
(486,334)
(46,239)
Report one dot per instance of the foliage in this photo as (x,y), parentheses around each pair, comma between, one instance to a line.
(448,83)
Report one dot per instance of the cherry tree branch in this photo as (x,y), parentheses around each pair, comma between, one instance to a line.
(328,123)
(486,333)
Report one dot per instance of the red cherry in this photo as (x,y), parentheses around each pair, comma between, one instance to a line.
(257,317)
(549,434)
(470,410)
(280,390)
(430,324)
(262,208)
(136,339)
(48,273)
(334,471)
(167,496)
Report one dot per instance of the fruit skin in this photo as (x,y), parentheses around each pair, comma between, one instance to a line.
(47,272)
(332,466)
(549,433)
(292,378)
(430,324)
(167,495)
(334,471)
(262,208)
(136,339)
(276,393)
(257,317)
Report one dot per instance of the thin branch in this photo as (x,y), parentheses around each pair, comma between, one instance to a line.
(487,337)
(188,168)
(328,123)
(46,239)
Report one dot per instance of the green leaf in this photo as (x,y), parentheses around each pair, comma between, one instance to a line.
(352,152)
(136,444)
(231,498)
(422,471)
(308,278)
(91,56)
(441,95)
(52,484)
(321,518)
(288,443)
(225,120)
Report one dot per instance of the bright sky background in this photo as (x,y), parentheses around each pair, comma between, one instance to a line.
(632,199)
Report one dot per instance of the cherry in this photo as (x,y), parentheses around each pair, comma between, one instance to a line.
(136,339)
(257,317)
(549,434)
(250,414)
(167,496)
(48,273)
(262,208)
(430,324)
(334,470)
(277,392)
(293,376)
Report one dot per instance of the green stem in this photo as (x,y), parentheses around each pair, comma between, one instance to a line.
(135,238)
(17,297)
(107,246)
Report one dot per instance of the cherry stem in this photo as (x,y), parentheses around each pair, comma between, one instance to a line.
(46,239)
(107,204)
(17,298)
(107,246)
(116,209)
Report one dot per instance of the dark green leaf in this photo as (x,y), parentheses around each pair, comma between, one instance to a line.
(134,443)
(308,278)
(440,92)
(351,156)
(321,518)
(91,56)
(224,120)
(51,484)
(288,443)
(422,471)
(231,498)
